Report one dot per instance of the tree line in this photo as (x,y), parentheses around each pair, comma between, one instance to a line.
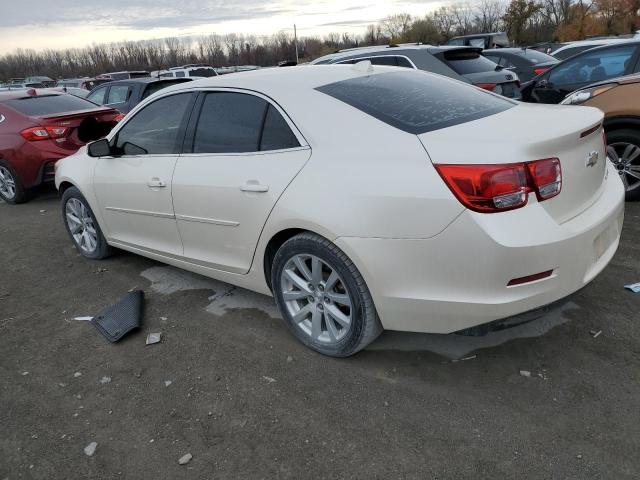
(526,22)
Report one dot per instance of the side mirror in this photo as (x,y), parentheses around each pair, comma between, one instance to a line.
(99,148)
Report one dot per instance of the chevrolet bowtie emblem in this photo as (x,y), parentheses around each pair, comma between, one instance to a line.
(592,159)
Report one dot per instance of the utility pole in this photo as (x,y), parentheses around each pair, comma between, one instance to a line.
(295,39)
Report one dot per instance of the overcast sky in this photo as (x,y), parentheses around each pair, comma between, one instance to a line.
(41,24)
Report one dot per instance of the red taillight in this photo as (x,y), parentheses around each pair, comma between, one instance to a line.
(540,70)
(547,177)
(486,86)
(498,188)
(48,132)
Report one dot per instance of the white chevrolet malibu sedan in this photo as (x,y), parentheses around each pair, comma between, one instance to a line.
(362,198)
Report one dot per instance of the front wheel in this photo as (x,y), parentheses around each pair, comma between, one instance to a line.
(323,297)
(623,149)
(82,226)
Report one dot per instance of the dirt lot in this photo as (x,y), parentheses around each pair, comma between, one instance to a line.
(247,401)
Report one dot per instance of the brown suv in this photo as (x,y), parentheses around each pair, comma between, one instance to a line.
(619,99)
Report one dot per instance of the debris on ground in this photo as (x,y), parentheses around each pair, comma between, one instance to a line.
(470,357)
(119,319)
(634,287)
(77,374)
(595,333)
(525,373)
(24,374)
(154,337)
(167,383)
(83,319)
(43,211)
(186,458)
(105,380)
(289,358)
(90,449)
(101,270)
(269,379)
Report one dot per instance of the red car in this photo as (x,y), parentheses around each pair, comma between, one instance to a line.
(38,128)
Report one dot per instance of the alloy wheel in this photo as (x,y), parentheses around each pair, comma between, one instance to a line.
(317,298)
(626,158)
(7,184)
(81,225)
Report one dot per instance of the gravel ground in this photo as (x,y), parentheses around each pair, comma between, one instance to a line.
(229,386)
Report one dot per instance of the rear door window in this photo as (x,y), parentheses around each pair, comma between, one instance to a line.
(229,122)
(49,104)
(464,62)
(416,102)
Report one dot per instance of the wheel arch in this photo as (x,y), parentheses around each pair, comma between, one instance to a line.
(274,243)
(620,122)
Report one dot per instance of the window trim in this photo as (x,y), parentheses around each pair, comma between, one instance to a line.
(195,115)
(395,55)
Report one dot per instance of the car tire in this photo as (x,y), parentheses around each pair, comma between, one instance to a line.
(82,226)
(618,142)
(11,189)
(322,296)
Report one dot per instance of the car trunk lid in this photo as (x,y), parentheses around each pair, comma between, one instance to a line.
(533,132)
(80,127)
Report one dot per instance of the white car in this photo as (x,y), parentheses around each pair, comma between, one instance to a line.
(363,198)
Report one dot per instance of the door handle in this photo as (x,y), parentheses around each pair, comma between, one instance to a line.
(254,186)
(156,183)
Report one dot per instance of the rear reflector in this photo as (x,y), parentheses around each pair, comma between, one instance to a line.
(540,70)
(529,278)
(498,188)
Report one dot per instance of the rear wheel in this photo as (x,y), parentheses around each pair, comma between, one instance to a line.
(623,149)
(82,226)
(11,189)
(323,297)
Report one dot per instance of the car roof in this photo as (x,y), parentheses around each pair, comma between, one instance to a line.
(595,43)
(17,94)
(479,35)
(389,49)
(146,80)
(604,46)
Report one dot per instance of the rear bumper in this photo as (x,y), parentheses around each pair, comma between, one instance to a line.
(458,279)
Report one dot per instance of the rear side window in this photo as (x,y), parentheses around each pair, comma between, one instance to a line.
(155,129)
(49,104)
(179,74)
(415,101)
(464,62)
(229,123)
(276,134)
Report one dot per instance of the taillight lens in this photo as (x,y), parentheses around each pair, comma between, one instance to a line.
(49,132)
(498,188)
(547,177)
(486,86)
(540,70)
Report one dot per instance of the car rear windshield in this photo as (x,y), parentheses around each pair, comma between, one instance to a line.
(49,104)
(416,102)
(534,56)
(157,86)
(202,72)
(465,61)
